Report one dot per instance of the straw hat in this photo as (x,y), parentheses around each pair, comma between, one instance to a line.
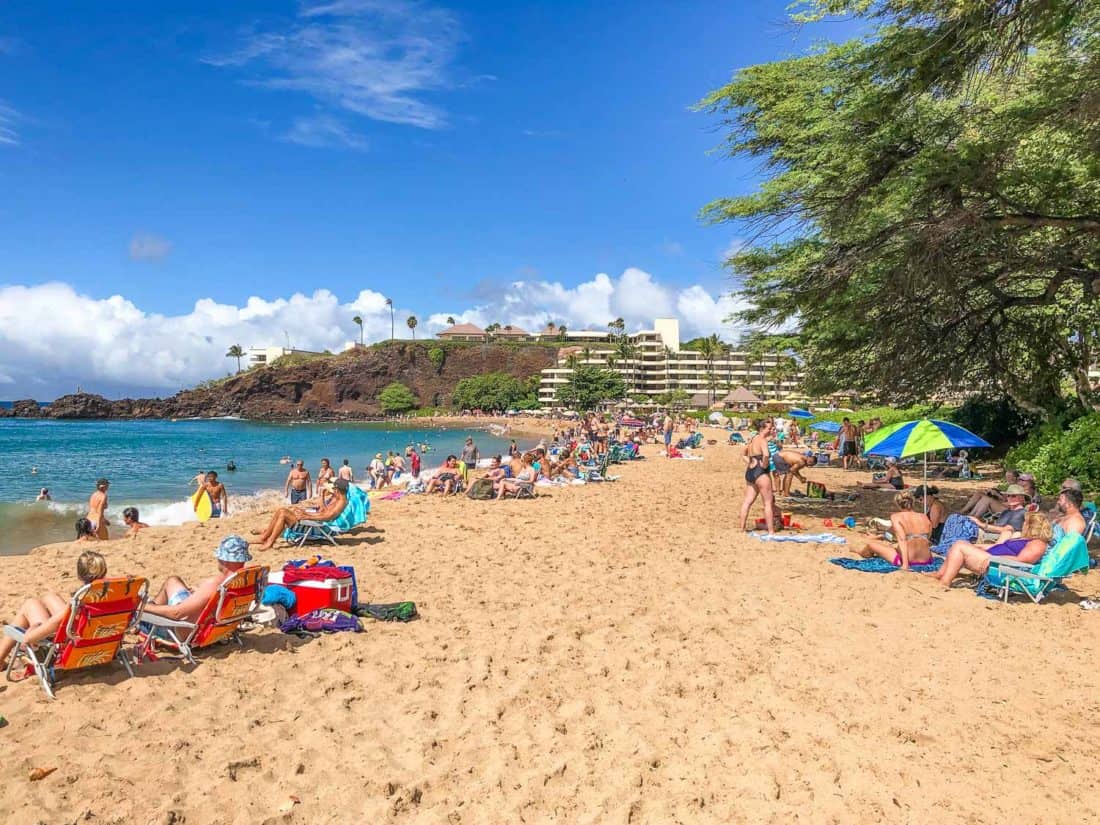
(1016,490)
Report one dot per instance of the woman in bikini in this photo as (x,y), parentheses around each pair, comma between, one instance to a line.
(911,530)
(758,479)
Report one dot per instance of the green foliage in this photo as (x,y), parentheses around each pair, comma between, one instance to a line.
(1057,454)
(998,420)
(396,398)
(674,398)
(928,232)
(888,415)
(494,391)
(437,355)
(588,387)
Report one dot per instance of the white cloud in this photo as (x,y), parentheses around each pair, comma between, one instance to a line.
(53,339)
(147,247)
(323,131)
(374,58)
(8,117)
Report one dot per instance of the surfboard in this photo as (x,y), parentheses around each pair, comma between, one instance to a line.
(202,504)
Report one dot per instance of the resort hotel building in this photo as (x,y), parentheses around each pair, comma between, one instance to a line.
(652,362)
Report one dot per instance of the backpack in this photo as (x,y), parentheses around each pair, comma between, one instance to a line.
(481,490)
(815,490)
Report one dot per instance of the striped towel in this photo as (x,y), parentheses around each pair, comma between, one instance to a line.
(801,538)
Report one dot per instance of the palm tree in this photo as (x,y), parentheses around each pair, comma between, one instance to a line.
(359,320)
(389,303)
(668,369)
(451,320)
(561,332)
(626,351)
(235,351)
(411,324)
(709,347)
(587,354)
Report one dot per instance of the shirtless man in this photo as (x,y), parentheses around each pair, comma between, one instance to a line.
(178,601)
(345,472)
(667,427)
(133,522)
(219,498)
(849,445)
(789,464)
(299,485)
(335,500)
(97,509)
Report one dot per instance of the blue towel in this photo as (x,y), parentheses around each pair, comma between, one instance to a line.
(800,538)
(880,565)
(955,528)
(277,594)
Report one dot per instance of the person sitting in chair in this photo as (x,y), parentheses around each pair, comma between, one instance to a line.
(179,601)
(1028,548)
(447,479)
(328,505)
(525,476)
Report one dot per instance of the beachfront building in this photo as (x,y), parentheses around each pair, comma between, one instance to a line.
(262,356)
(652,362)
(462,332)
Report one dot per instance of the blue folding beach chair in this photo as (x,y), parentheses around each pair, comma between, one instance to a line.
(354,514)
(1035,581)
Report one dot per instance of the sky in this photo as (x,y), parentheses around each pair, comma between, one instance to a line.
(178,177)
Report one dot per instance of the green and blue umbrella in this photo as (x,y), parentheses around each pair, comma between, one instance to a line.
(925,435)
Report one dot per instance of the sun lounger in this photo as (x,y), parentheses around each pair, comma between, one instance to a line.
(354,514)
(237,599)
(100,614)
(1006,576)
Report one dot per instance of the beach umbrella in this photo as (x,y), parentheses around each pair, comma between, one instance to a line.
(925,435)
(826,426)
(715,416)
(800,414)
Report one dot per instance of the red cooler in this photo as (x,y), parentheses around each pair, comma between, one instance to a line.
(315,595)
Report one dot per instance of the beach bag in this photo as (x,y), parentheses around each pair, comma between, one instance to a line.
(327,620)
(815,490)
(481,490)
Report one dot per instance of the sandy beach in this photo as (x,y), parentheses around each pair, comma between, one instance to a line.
(608,653)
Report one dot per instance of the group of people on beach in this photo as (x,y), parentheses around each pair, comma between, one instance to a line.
(95,525)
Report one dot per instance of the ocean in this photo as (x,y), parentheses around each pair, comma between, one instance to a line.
(150,465)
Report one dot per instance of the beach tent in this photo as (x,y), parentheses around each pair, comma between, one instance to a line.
(925,435)
(742,398)
(826,427)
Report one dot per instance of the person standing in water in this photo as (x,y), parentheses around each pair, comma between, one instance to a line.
(299,485)
(219,498)
(326,473)
(97,509)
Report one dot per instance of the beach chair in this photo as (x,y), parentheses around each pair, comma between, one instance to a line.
(100,614)
(354,514)
(236,600)
(522,489)
(1006,576)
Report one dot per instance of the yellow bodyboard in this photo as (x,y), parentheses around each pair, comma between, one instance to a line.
(202,504)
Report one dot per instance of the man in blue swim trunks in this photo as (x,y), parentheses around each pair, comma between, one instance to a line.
(176,600)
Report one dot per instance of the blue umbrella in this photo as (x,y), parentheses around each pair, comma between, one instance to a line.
(826,426)
(800,414)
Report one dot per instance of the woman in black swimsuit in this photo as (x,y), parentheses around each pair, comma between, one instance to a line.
(758,479)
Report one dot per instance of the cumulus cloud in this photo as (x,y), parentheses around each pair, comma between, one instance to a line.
(378,59)
(147,247)
(53,339)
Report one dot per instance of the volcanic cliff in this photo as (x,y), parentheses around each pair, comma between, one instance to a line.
(336,387)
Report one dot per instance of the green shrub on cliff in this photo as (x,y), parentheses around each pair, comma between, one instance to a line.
(396,398)
(494,391)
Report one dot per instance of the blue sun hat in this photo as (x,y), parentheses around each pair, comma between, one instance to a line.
(233,549)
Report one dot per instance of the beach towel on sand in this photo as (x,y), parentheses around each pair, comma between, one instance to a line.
(394,612)
(880,565)
(801,538)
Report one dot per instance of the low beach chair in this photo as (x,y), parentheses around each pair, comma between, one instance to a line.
(521,489)
(100,614)
(236,600)
(353,515)
(1035,581)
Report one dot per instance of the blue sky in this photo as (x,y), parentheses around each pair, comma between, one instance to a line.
(170,153)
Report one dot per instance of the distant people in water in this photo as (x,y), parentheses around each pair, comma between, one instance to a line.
(85,530)
(44,494)
(34,471)
(133,522)
(284,460)
(231,466)
(97,509)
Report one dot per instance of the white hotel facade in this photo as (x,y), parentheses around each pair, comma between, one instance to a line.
(658,365)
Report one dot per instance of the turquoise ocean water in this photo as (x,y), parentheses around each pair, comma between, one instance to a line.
(150,464)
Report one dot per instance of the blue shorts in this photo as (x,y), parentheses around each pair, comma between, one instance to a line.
(297,496)
(161,632)
(668,437)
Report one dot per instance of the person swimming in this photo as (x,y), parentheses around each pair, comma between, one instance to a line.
(44,494)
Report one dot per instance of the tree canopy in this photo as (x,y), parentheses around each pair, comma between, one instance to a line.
(930,219)
(493,391)
(396,398)
(589,386)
